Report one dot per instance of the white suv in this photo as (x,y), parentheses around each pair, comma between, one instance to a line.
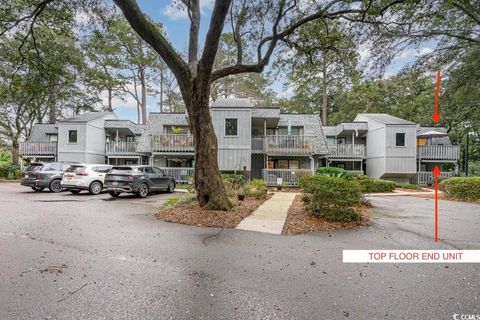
(89,177)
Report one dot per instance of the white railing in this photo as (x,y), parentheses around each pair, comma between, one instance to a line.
(171,143)
(356,172)
(38,148)
(438,152)
(426,177)
(120,147)
(345,151)
(257,145)
(181,175)
(289,144)
(290,177)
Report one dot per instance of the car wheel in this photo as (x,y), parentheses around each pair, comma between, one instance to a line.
(75,191)
(171,187)
(142,190)
(95,187)
(114,194)
(55,186)
(37,188)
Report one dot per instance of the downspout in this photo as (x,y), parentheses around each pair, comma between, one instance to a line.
(312,164)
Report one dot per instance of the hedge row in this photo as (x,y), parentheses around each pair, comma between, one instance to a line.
(333,198)
(10,172)
(367,184)
(256,188)
(467,188)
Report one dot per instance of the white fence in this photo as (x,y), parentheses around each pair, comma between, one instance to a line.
(38,148)
(347,151)
(124,148)
(289,177)
(172,142)
(181,175)
(426,177)
(438,152)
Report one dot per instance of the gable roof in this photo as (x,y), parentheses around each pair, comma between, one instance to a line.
(40,132)
(386,118)
(88,116)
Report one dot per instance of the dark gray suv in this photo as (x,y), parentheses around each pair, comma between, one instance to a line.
(39,176)
(140,180)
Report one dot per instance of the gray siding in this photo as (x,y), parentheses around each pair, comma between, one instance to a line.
(234,152)
(72,151)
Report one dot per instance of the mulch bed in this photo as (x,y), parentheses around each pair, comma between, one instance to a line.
(193,214)
(300,221)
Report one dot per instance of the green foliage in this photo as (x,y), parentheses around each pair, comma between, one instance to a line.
(5,158)
(334,172)
(409,186)
(10,172)
(467,188)
(333,198)
(256,188)
(233,183)
(367,184)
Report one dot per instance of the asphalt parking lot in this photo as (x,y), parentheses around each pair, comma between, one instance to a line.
(65,256)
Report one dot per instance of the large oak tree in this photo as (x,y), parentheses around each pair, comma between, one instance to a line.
(259,26)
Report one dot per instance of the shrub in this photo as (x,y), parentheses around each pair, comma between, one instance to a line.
(334,172)
(409,186)
(467,188)
(233,183)
(256,188)
(333,198)
(367,184)
(10,172)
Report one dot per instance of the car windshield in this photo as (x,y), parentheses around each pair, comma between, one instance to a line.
(121,170)
(34,167)
(73,168)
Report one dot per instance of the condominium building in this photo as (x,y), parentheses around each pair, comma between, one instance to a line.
(261,143)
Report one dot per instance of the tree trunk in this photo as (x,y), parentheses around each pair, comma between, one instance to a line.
(161,90)
(110,97)
(52,102)
(211,193)
(143,85)
(15,151)
(324,106)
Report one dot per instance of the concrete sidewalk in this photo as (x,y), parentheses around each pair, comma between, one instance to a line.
(271,215)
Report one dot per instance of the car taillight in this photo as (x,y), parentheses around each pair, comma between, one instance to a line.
(81,172)
(37,175)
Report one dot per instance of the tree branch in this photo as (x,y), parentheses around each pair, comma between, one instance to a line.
(220,11)
(194,13)
(149,32)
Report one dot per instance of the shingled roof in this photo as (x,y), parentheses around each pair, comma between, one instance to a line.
(386,118)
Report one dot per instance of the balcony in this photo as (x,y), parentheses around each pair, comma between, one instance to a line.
(121,148)
(284,145)
(171,143)
(347,151)
(426,177)
(438,152)
(38,149)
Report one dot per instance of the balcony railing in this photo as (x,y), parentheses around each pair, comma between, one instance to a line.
(171,143)
(347,151)
(38,148)
(257,145)
(289,177)
(120,148)
(426,177)
(289,144)
(181,175)
(438,152)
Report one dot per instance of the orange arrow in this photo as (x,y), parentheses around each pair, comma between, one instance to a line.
(436,173)
(436,113)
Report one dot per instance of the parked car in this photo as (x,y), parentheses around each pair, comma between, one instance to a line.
(140,180)
(89,177)
(39,176)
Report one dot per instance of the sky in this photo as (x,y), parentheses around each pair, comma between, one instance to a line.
(176,24)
